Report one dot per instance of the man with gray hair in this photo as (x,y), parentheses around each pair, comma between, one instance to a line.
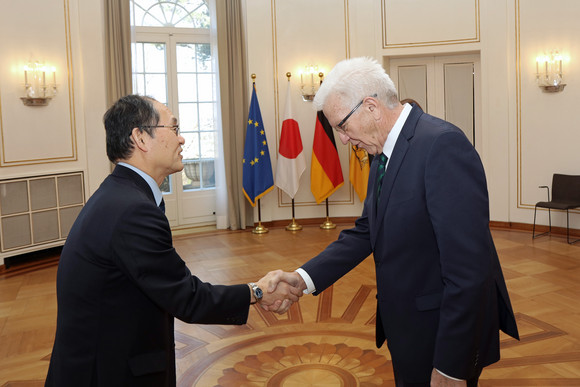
(441,295)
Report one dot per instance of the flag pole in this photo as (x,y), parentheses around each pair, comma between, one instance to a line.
(327,225)
(259,229)
(293,226)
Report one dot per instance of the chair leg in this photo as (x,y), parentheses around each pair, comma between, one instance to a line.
(534,236)
(568,229)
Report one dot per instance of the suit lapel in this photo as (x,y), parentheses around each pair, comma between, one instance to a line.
(395,162)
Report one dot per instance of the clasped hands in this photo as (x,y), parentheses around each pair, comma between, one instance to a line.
(281,289)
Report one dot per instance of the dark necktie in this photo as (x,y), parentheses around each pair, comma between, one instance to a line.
(162,205)
(380,174)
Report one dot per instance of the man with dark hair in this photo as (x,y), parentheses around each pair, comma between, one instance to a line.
(120,282)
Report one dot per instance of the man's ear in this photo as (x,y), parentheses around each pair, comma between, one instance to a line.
(140,139)
(372,105)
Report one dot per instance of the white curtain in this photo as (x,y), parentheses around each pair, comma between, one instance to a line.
(222,221)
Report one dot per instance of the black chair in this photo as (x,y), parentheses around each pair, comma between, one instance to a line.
(565,196)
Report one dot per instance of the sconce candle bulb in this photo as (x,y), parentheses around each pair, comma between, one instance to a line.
(37,91)
(310,88)
(551,77)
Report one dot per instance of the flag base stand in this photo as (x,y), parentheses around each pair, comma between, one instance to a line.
(259,229)
(327,225)
(293,226)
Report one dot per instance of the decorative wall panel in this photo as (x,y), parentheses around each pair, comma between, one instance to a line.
(39,134)
(425,22)
(321,44)
(547,134)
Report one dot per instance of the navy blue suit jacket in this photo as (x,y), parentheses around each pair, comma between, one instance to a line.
(441,292)
(120,283)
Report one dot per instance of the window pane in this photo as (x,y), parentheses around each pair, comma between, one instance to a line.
(206,122)
(203,57)
(187,87)
(155,86)
(154,17)
(188,117)
(137,57)
(186,58)
(154,54)
(139,84)
(207,174)
(190,175)
(205,87)
(150,77)
(191,146)
(208,140)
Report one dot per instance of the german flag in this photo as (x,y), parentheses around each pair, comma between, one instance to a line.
(325,171)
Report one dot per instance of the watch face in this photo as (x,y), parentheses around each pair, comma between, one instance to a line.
(258,293)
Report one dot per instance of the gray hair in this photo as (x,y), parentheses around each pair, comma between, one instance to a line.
(354,79)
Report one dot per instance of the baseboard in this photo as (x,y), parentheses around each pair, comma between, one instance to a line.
(346,220)
(514,226)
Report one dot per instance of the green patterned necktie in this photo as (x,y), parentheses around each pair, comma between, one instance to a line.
(380,174)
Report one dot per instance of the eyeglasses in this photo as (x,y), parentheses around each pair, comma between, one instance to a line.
(173,128)
(339,127)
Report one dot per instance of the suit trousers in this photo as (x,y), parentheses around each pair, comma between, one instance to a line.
(399,382)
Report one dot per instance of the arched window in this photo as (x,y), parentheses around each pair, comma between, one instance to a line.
(172,62)
(180,14)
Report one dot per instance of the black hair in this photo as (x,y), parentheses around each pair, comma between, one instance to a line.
(129,112)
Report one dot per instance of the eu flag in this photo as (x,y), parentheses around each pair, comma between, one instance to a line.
(257,167)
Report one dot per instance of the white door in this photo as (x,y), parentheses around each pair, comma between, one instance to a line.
(447,87)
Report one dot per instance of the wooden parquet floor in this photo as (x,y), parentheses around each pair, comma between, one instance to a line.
(322,341)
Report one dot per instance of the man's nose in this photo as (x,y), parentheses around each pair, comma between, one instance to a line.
(343,138)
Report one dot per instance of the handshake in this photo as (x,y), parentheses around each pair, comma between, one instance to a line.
(280,290)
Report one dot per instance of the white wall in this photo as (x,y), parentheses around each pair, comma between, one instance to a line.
(67,135)
(527,134)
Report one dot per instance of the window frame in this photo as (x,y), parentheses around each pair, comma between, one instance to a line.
(191,206)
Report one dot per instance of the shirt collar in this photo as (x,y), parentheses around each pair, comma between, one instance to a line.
(152,184)
(396,130)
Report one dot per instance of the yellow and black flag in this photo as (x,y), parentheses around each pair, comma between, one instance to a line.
(359,169)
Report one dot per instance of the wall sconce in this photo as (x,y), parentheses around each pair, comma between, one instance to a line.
(549,72)
(309,83)
(38,89)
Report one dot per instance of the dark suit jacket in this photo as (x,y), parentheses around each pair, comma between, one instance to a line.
(120,283)
(441,291)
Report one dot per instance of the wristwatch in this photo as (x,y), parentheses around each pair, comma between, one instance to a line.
(257,292)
